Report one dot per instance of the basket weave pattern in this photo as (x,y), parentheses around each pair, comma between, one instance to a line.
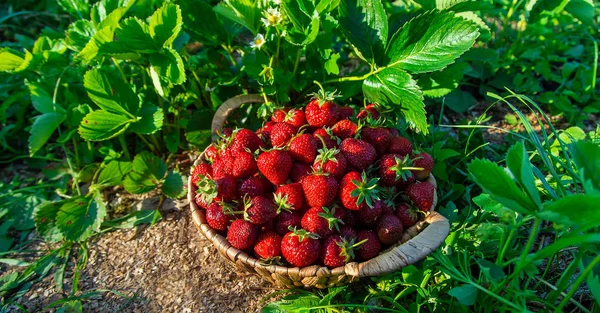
(417,241)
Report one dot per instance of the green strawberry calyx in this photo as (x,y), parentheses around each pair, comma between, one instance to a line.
(207,189)
(403,168)
(366,190)
(332,221)
(302,234)
(282,203)
(348,246)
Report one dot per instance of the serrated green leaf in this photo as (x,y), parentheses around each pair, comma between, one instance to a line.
(585,155)
(42,101)
(133,219)
(102,125)
(79,217)
(133,35)
(91,49)
(113,173)
(518,163)
(395,88)
(42,129)
(79,34)
(11,60)
(148,171)
(299,12)
(496,182)
(165,24)
(102,10)
(430,42)
(243,12)
(303,37)
(138,183)
(151,120)
(77,8)
(173,185)
(109,92)
(331,65)
(44,217)
(172,140)
(365,25)
(465,294)
(578,211)
(169,66)
(201,22)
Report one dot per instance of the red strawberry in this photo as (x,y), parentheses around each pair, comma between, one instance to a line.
(300,248)
(275,165)
(203,169)
(425,161)
(299,171)
(321,111)
(265,131)
(357,192)
(295,117)
(368,216)
(371,247)
(289,197)
(330,140)
(345,113)
(227,132)
(244,165)
(268,245)
(279,115)
(259,210)
(242,234)
(331,161)
(336,251)
(217,217)
(389,229)
(227,187)
(400,145)
(379,137)
(285,220)
(269,187)
(359,153)
(421,195)
(396,170)
(344,129)
(211,152)
(282,133)
(350,218)
(303,148)
(408,215)
(319,189)
(251,187)
(348,232)
(369,110)
(321,221)
(219,168)
(244,138)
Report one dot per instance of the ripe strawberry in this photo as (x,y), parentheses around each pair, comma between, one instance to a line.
(348,232)
(299,171)
(251,187)
(219,168)
(331,161)
(321,111)
(268,245)
(211,152)
(275,165)
(244,165)
(259,210)
(371,247)
(357,192)
(269,187)
(227,132)
(350,218)
(242,234)
(227,187)
(265,131)
(289,197)
(336,251)
(285,220)
(425,161)
(400,145)
(421,195)
(319,189)
(300,248)
(217,217)
(359,153)
(244,138)
(389,229)
(408,215)
(295,117)
(321,221)
(368,216)
(379,137)
(279,115)
(396,170)
(303,148)
(330,140)
(369,110)
(203,169)
(344,129)
(281,133)
(345,113)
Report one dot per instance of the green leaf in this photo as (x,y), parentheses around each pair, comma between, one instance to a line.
(578,211)
(91,49)
(113,173)
(44,217)
(465,294)
(169,66)
(299,12)
(331,65)
(593,282)
(165,24)
(441,83)
(430,42)
(173,185)
(583,10)
(42,129)
(79,34)
(102,10)
(518,163)
(101,125)
(151,120)
(243,12)
(73,306)
(133,34)
(148,172)
(365,25)
(585,155)
(496,182)
(14,61)
(459,101)
(109,92)
(14,262)
(202,23)
(42,101)
(305,36)
(394,87)
(79,217)
(133,219)
(77,8)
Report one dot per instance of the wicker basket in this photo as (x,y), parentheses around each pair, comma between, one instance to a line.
(417,242)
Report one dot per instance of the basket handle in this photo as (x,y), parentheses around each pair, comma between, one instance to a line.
(224,109)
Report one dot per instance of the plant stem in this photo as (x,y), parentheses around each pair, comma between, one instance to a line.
(348,79)
(119,69)
(531,240)
(76,150)
(10,193)
(73,174)
(124,146)
(151,146)
(578,282)
(297,62)
(502,252)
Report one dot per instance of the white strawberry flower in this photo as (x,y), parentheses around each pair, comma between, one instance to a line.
(272,17)
(257,42)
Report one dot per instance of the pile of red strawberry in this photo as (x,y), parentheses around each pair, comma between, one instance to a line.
(319,186)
